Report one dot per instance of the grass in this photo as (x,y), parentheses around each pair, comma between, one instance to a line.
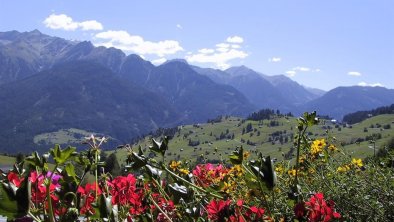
(212,149)
(63,136)
(6,160)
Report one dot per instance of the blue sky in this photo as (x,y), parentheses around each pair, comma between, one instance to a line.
(321,44)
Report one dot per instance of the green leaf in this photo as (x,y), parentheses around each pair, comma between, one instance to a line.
(237,156)
(264,170)
(136,161)
(153,171)
(34,160)
(61,156)
(160,147)
(179,191)
(100,208)
(13,206)
(311,118)
(70,170)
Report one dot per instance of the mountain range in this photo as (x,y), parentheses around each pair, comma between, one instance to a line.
(48,83)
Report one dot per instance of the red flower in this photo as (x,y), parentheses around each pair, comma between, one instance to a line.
(216,209)
(15,179)
(319,210)
(39,192)
(167,206)
(299,210)
(88,194)
(206,174)
(257,211)
(125,193)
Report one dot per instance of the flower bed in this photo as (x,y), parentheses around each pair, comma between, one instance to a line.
(322,184)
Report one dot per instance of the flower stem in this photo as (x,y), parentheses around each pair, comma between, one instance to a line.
(161,189)
(191,184)
(158,207)
(34,217)
(95,172)
(300,135)
(48,186)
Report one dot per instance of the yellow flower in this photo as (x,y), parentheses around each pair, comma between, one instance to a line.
(311,171)
(174,164)
(302,158)
(227,187)
(317,146)
(236,170)
(279,169)
(246,155)
(292,172)
(332,147)
(252,193)
(343,169)
(184,171)
(357,162)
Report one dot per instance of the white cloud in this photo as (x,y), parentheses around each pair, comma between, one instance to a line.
(91,25)
(220,55)
(370,84)
(354,73)
(274,59)
(291,73)
(302,69)
(220,59)
(205,51)
(297,69)
(235,39)
(65,22)
(222,49)
(305,69)
(159,61)
(222,45)
(136,44)
(179,26)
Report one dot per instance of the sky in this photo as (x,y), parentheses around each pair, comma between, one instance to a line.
(320,44)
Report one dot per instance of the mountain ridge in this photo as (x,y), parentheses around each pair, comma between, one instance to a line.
(184,93)
(343,100)
(81,95)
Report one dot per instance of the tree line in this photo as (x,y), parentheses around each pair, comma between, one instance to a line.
(359,116)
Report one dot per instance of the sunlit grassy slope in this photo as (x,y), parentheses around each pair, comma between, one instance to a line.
(6,160)
(212,149)
(259,138)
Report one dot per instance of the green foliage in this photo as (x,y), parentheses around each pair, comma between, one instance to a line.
(263,168)
(237,156)
(160,147)
(112,165)
(264,114)
(359,116)
(12,205)
(61,156)
(362,190)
